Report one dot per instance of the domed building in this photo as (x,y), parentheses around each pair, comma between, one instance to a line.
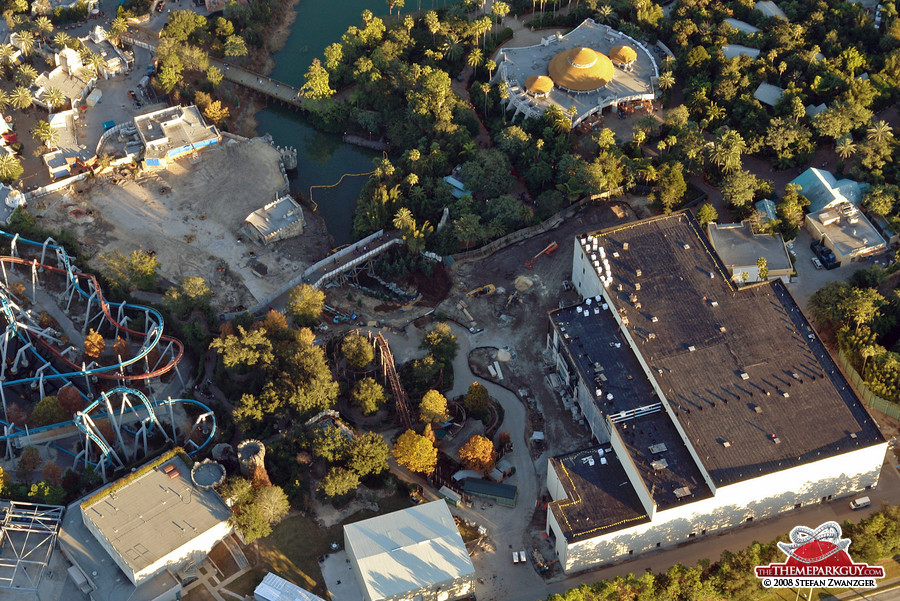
(623,55)
(539,85)
(581,70)
(591,69)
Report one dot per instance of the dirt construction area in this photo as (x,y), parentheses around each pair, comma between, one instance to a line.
(191,215)
(518,310)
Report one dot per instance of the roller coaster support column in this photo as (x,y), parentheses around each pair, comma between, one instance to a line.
(3,398)
(47,243)
(39,383)
(87,311)
(3,349)
(7,431)
(20,357)
(34,271)
(111,416)
(13,251)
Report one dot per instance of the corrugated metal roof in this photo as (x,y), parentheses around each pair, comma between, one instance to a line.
(408,550)
(276,588)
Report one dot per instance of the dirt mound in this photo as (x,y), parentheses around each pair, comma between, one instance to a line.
(523,283)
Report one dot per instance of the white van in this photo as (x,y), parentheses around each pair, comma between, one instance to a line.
(860,503)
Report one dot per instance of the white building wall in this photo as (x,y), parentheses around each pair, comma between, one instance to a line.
(180,556)
(584,278)
(757,498)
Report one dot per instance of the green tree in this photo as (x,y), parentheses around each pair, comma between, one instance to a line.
(235,46)
(254,519)
(369,396)
(488,173)
(305,304)
(739,188)
(215,112)
(477,401)
(224,28)
(845,147)
(728,146)
(214,75)
(45,134)
(358,350)
(881,199)
(863,305)
(192,294)
(666,80)
(48,411)
(330,444)
(182,24)
(441,343)
(138,270)
(475,59)
(671,186)
(707,214)
(416,453)
(245,349)
(54,98)
(478,454)
(317,85)
(43,492)
(20,98)
(433,408)
(410,231)
(338,482)
(368,454)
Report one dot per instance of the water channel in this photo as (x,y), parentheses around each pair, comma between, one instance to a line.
(322,158)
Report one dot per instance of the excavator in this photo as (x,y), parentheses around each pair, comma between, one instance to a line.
(485,290)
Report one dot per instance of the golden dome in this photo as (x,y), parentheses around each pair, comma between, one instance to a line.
(538,84)
(581,69)
(622,54)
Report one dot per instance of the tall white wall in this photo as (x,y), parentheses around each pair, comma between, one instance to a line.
(178,558)
(757,498)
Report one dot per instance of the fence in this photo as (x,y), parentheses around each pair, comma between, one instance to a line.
(530,232)
(57,185)
(871,399)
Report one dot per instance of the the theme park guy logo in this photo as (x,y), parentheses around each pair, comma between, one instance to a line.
(818,558)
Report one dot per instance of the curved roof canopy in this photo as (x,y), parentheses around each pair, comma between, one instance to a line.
(622,54)
(581,69)
(539,84)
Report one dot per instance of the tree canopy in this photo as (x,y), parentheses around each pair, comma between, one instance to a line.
(415,452)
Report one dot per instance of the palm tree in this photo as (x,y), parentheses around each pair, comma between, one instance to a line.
(10,168)
(499,10)
(666,80)
(43,26)
(44,133)
(606,15)
(490,66)
(452,48)
(97,63)
(4,99)
(728,146)
(54,98)
(6,53)
(118,27)
(503,92)
(845,147)
(26,42)
(485,91)
(476,59)
(879,132)
(26,74)
(61,40)
(21,98)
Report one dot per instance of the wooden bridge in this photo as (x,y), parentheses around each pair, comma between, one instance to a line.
(262,84)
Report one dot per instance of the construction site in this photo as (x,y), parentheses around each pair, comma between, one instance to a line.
(192,216)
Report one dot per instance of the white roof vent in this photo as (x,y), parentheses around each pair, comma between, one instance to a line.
(692,348)
(745,375)
(686,246)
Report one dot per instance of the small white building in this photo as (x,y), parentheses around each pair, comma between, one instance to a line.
(276,588)
(415,554)
(69,76)
(149,528)
(740,249)
(282,218)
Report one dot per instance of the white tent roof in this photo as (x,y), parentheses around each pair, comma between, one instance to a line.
(276,588)
(408,550)
(768,94)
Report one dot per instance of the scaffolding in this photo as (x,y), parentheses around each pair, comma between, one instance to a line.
(28,534)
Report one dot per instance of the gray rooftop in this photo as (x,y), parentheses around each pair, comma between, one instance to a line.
(171,128)
(600,497)
(768,94)
(276,588)
(849,234)
(591,345)
(84,550)
(152,516)
(738,246)
(758,331)
(275,216)
(407,550)
(742,26)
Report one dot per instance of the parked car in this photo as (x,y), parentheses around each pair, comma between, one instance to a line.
(817,263)
(860,503)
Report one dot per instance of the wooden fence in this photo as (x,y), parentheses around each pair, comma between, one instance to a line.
(871,399)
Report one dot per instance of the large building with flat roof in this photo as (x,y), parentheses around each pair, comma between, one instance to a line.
(711,406)
(173,132)
(412,554)
(147,529)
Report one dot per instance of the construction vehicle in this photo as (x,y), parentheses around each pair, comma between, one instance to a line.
(511,298)
(547,251)
(485,290)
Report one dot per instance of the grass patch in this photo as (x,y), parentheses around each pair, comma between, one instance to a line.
(292,550)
